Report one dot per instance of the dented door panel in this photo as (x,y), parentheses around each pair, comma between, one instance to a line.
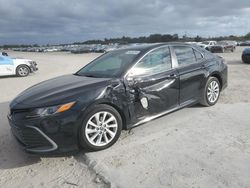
(154,94)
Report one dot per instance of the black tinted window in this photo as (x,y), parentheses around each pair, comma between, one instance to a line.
(185,55)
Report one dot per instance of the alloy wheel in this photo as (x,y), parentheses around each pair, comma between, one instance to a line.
(101,128)
(213,91)
(23,71)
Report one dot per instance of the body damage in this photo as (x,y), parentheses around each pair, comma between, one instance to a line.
(137,99)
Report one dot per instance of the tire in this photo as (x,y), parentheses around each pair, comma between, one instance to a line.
(96,135)
(212,87)
(22,70)
(244,60)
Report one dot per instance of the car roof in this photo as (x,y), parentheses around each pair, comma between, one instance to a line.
(147,47)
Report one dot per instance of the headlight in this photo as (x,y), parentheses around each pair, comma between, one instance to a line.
(38,112)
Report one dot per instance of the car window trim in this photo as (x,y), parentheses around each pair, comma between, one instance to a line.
(197,62)
(173,65)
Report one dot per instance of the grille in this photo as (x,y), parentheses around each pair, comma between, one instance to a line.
(18,114)
(30,137)
(18,111)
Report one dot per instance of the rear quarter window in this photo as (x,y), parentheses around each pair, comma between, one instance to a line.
(185,55)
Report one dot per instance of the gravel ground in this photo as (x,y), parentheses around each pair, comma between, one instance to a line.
(194,147)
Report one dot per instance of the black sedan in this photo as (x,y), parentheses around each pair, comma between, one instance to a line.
(223,46)
(118,90)
(246,56)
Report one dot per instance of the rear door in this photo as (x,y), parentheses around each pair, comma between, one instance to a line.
(191,71)
(153,84)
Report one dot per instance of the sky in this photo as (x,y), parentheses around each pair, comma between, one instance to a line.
(64,21)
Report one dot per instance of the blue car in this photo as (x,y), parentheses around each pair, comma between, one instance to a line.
(246,56)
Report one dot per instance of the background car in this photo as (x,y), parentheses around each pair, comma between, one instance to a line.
(4,54)
(244,43)
(81,50)
(223,46)
(16,66)
(119,90)
(207,44)
(246,56)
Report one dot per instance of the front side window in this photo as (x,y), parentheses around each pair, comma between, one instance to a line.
(185,55)
(155,62)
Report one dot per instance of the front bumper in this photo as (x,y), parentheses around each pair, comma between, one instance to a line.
(45,135)
(33,67)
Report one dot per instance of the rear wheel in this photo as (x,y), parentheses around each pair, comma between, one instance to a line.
(22,70)
(211,92)
(101,128)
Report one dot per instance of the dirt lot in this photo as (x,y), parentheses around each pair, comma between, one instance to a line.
(194,147)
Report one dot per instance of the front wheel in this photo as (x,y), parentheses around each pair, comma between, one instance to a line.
(101,128)
(211,92)
(22,70)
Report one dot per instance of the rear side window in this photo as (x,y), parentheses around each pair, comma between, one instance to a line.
(185,55)
(198,55)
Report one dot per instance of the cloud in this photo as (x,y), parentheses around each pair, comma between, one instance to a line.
(56,21)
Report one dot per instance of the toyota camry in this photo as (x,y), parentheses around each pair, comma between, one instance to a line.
(119,90)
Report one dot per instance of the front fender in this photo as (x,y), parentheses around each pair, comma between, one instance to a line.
(113,95)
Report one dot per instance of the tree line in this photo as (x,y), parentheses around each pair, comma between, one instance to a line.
(154,38)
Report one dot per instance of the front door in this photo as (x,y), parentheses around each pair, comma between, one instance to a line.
(153,85)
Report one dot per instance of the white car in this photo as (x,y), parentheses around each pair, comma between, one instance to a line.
(207,44)
(16,66)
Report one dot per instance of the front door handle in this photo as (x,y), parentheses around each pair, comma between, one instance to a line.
(172,76)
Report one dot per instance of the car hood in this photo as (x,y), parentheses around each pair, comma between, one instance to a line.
(58,91)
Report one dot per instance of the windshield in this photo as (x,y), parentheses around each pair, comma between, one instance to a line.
(111,64)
